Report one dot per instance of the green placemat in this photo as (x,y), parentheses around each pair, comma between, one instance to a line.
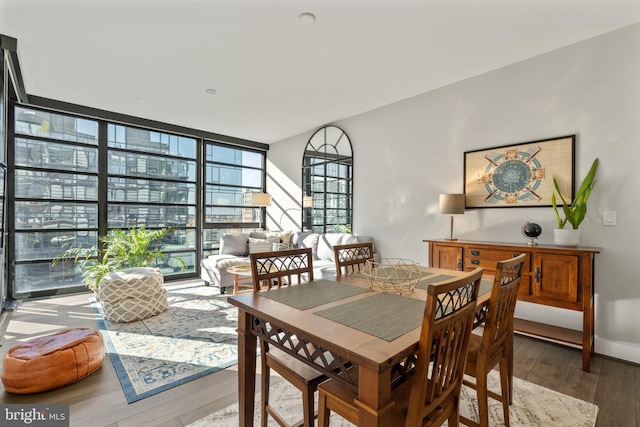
(313,294)
(424,283)
(386,316)
(485,286)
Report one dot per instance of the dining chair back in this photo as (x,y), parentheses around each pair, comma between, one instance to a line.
(495,346)
(279,269)
(431,395)
(352,257)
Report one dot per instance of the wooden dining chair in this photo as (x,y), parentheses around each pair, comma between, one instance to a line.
(281,268)
(351,258)
(278,269)
(495,346)
(431,395)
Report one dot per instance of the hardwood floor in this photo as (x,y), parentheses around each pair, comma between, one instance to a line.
(98,400)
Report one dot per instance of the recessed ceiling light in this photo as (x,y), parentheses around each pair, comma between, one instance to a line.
(306,19)
(211,91)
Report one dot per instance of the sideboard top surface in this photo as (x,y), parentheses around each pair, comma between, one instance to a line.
(591,249)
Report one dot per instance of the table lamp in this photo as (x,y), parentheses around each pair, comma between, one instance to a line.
(262,200)
(451,204)
(307,201)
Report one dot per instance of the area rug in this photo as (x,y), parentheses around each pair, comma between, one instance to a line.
(533,406)
(194,337)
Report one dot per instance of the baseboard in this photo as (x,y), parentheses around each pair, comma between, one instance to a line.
(617,350)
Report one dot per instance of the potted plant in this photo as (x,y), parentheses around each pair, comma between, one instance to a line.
(574,212)
(136,247)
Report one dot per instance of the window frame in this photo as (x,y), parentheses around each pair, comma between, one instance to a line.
(104,120)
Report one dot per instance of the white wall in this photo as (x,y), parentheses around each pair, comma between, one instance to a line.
(407,153)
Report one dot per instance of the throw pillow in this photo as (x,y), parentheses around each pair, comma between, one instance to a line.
(349,239)
(280,247)
(262,245)
(234,244)
(309,240)
(283,236)
(327,242)
(258,234)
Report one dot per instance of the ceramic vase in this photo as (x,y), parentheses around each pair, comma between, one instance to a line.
(566,237)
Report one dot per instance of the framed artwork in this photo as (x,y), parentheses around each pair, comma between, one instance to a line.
(516,176)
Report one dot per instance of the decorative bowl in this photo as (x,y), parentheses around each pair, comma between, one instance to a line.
(396,275)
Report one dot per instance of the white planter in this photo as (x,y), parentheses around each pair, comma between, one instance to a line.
(566,237)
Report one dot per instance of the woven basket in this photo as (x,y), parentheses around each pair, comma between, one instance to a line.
(396,275)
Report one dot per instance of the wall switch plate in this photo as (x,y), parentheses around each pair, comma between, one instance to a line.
(609,218)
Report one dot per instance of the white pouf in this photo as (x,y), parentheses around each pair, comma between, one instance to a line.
(132,294)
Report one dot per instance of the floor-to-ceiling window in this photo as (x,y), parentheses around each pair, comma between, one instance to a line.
(231,175)
(4,96)
(152,183)
(55,163)
(77,177)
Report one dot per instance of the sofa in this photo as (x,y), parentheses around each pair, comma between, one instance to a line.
(236,247)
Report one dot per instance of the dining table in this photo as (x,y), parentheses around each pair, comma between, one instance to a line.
(363,337)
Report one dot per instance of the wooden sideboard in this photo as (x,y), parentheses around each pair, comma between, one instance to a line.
(552,275)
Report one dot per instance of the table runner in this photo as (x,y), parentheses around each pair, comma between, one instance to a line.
(485,286)
(386,316)
(383,315)
(313,294)
(424,283)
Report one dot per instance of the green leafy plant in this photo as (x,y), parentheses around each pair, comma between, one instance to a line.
(136,247)
(574,212)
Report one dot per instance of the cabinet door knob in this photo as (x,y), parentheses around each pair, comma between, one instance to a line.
(459,265)
(538,275)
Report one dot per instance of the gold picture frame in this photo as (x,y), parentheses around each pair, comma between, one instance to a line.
(521,175)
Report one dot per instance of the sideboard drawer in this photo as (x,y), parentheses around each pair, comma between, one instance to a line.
(487,258)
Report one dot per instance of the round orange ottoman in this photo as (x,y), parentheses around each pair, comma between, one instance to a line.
(52,361)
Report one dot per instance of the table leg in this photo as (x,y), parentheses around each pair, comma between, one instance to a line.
(246,369)
(374,397)
(236,283)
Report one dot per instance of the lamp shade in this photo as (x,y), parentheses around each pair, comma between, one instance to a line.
(261,199)
(452,204)
(307,202)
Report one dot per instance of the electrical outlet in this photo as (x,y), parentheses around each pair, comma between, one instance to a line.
(609,218)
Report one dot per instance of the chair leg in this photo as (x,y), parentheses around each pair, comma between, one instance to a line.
(454,419)
(510,366)
(308,407)
(323,411)
(506,388)
(483,399)
(266,372)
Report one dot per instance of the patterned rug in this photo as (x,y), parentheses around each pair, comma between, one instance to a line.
(194,337)
(533,406)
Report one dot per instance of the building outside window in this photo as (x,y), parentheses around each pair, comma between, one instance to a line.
(231,175)
(56,197)
(66,194)
(152,181)
(327,178)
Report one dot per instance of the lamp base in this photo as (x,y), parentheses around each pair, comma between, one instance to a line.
(450,239)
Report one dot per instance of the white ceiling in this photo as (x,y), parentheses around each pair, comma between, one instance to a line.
(274,77)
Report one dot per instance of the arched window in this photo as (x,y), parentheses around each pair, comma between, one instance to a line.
(327,182)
